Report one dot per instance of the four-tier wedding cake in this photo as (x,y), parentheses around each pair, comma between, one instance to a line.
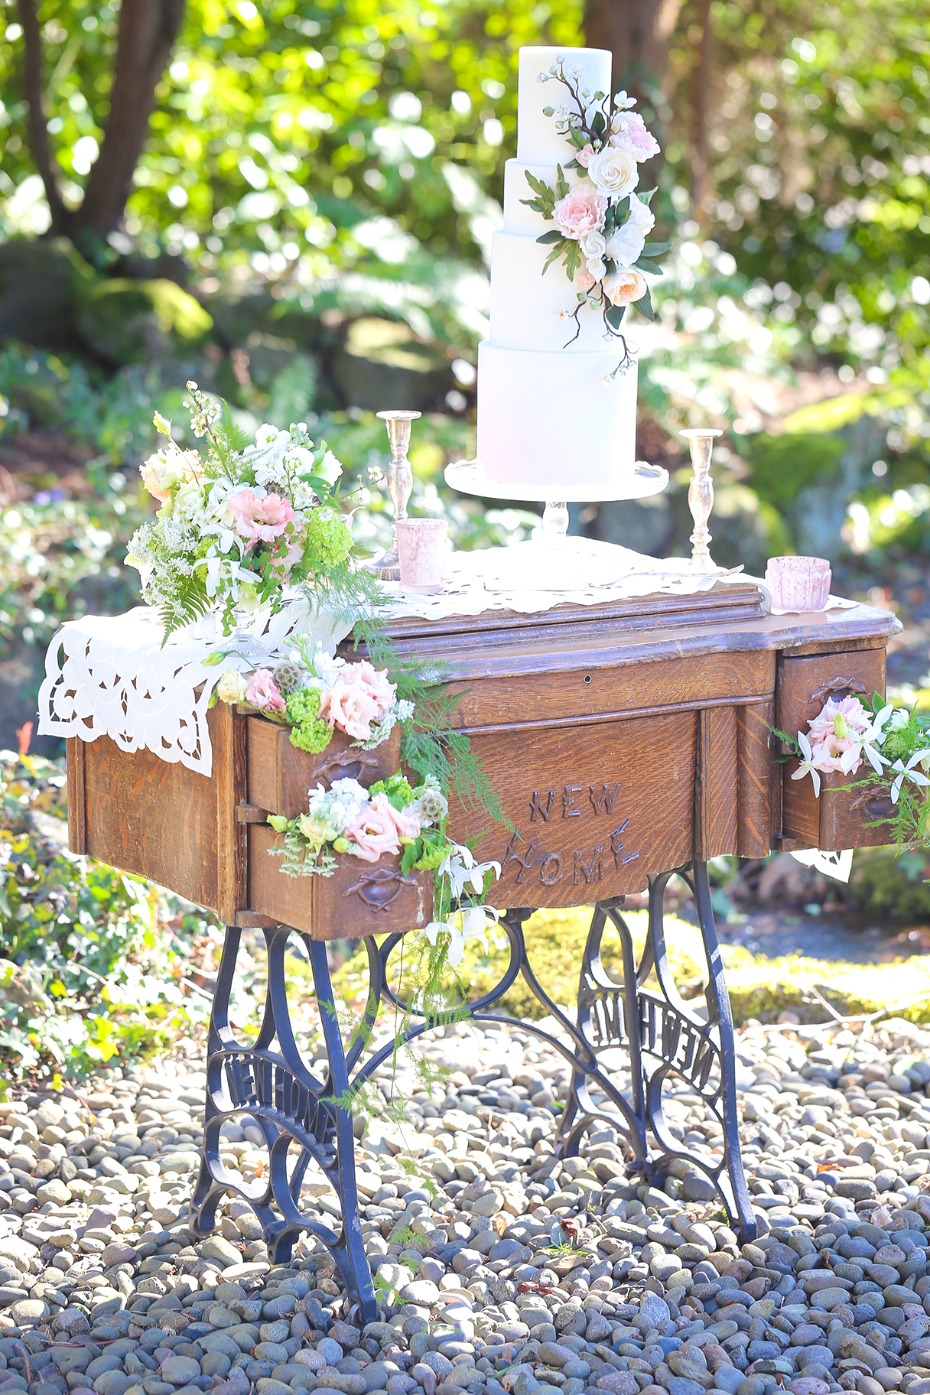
(557,376)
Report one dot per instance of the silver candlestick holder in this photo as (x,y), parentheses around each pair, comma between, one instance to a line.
(399,484)
(701,495)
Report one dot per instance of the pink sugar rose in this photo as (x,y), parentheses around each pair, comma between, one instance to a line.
(374,831)
(584,155)
(260,517)
(262,691)
(630,133)
(586,281)
(376,684)
(581,211)
(349,705)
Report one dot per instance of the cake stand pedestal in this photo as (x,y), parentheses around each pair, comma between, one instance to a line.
(533,561)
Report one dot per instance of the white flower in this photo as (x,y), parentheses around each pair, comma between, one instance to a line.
(461,870)
(807,766)
(613,172)
(593,245)
(899,720)
(622,102)
(329,468)
(641,215)
(907,772)
(595,267)
(873,736)
(625,246)
(470,924)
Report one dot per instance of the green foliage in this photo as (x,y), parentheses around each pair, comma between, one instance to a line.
(89,968)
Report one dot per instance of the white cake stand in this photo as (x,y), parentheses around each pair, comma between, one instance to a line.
(534,561)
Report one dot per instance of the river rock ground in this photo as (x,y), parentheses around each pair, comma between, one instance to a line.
(499,1268)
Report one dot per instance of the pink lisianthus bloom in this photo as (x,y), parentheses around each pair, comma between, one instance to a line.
(406,821)
(837,753)
(837,719)
(349,705)
(262,691)
(581,211)
(260,517)
(374,831)
(376,684)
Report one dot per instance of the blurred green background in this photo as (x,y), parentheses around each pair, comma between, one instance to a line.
(293,202)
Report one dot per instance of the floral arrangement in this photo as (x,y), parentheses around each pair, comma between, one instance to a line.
(601,222)
(392,819)
(893,741)
(239,521)
(317,695)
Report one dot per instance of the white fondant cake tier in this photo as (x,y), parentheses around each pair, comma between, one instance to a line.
(519,219)
(550,418)
(530,310)
(538,141)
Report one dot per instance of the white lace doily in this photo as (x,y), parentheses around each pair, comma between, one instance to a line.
(112,676)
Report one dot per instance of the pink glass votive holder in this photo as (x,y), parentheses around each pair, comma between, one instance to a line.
(422,545)
(798,583)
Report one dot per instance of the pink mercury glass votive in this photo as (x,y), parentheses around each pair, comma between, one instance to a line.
(798,583)
(422,545)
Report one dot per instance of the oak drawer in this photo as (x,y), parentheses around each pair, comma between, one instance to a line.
(839,818)
(280,775)
(360,898)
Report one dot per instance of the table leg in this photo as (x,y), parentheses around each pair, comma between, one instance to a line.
(304,1117)
(665,1039)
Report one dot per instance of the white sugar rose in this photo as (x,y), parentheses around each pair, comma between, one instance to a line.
(623,287)
(613,172)
(596,267)
(641,215)
(593,245)
(625,246)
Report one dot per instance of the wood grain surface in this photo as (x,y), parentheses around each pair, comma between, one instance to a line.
(622,739)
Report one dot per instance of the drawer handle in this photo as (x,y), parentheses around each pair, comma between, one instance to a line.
(874,806)
(836,685)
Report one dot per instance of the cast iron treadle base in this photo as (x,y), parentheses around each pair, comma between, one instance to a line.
(304,1116)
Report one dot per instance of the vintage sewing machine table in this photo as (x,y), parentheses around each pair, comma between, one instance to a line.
(628,742)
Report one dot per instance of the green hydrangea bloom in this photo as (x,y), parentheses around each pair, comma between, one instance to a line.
(308,730)
(303,705)
(327,541)
(397,788)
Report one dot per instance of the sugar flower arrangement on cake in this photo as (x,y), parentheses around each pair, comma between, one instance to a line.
(317,695)
(392,819)
(601,222)
(240,521)
(894,742)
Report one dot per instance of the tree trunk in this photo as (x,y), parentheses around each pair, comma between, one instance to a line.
(36,122)
(638,33)
(147,32)
(701,104)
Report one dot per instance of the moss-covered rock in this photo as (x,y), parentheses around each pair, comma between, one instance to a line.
(123,321)
(809,476)
(39,284)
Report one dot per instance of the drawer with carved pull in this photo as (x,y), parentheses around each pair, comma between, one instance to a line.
(840,817)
